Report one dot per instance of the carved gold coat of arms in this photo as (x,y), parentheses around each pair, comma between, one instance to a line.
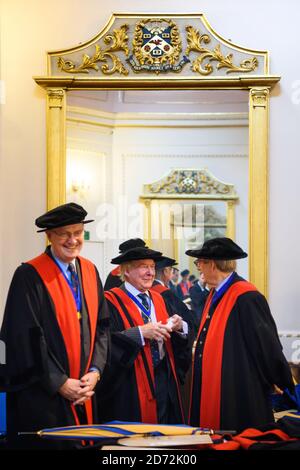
(157,47)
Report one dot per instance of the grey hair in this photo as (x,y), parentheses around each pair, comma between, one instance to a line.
(226,266)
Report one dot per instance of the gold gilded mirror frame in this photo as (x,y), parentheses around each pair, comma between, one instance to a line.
(194,185)
(198,58)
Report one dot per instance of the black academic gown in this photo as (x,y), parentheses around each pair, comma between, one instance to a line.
(252,362)
(184,359)
(198,298)
(175,306)
(172,286)
(112,281)
(36,362)
(118,390)
(180,292)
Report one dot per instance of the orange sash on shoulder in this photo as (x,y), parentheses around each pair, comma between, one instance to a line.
(159,288)
(146,399)
(66,311)
(185,287)
(116,271)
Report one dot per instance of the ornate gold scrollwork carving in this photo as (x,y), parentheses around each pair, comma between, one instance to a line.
(156,47)
(116,42)
(195,44)
(190,182)
(259,97)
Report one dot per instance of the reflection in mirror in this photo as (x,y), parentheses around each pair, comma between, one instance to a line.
(201,222)
(120,141)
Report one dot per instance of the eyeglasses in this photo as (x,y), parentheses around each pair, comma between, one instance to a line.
(67,235)
(200,260)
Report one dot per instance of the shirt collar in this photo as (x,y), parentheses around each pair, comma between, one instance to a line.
(159,281)
(224,282)
(133,290)
(200,285)
(61,264)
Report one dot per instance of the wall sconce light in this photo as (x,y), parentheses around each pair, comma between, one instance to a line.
(79,177)
(79,188)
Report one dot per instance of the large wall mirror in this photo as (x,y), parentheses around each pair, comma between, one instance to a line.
(168,166)
(159,127)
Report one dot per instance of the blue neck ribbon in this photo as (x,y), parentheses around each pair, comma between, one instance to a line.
(77,297)
(139,304)
(220,292)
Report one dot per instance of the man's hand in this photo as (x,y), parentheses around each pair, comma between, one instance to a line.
(70,389)
(78,391)
(175,323)
(277,390)
(156,331)
(88,383)
(91,379)
(83,395)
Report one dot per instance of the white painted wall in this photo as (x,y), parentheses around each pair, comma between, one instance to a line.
(30,28)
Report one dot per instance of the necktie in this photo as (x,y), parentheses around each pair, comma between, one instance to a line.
(75,287)
(74,279)
(146,318)
(145,303)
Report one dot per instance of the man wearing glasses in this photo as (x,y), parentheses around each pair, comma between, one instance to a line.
(238,359)
(56,333)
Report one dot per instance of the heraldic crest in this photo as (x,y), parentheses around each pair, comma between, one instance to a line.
(157,46)
(144,45)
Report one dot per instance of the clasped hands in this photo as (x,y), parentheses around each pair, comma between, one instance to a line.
(159,331)
(78,391)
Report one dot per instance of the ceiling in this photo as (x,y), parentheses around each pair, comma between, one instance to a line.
(161,100)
